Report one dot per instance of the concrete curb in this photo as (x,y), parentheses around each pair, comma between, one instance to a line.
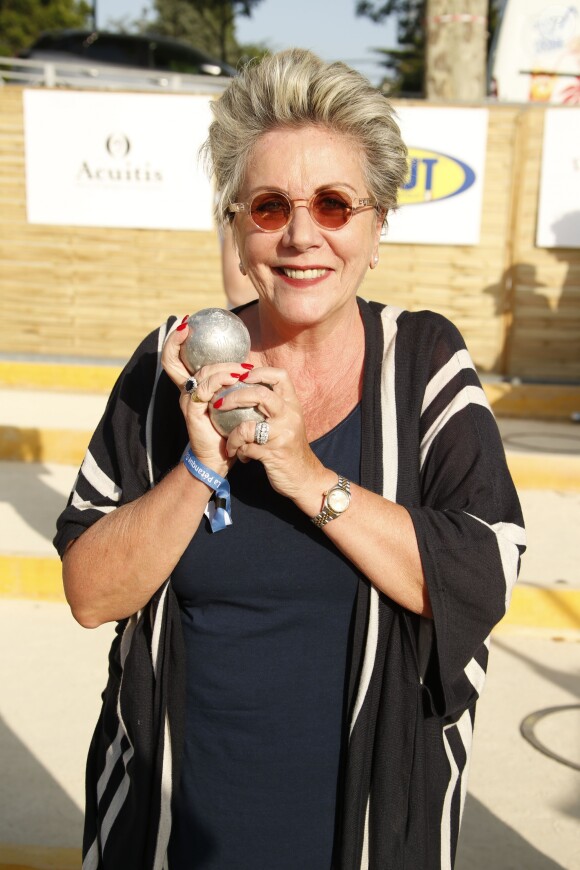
(532,607)
(508,399)
(32,577)
(59,376)
(39,858)
(544,608)
(533,401)
(68,447)
(545,471)
(63,446)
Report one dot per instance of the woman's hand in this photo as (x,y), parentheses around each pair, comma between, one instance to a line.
(372,527)
(207,444)
(287,457)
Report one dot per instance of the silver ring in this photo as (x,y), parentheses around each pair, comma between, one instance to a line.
(262,432)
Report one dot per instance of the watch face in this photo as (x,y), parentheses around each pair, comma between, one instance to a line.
(338,500)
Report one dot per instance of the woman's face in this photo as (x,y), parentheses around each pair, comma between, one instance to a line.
(305,274)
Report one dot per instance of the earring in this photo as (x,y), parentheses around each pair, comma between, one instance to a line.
(241,267)
(375,261)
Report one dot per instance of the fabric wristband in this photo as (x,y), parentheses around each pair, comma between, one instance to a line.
(218,511)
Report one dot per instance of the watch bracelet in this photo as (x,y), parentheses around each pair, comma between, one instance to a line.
(327,514)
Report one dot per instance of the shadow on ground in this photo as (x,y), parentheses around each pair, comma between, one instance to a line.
(34,809)
(33,806)
(26,490)
(484,837)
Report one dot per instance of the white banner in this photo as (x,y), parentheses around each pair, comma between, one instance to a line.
(116,160)
(559,202)
(442,201)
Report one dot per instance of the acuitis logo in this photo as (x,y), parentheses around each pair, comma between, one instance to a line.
(434,176)
(114,166)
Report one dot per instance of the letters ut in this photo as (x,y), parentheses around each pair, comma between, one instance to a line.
(429,163)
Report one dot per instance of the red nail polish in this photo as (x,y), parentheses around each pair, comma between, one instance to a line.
(185,318)
(218,404)
(247,365)
(234,375)
(180,327)
(243,377)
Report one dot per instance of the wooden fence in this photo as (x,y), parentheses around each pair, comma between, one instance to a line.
(85,292)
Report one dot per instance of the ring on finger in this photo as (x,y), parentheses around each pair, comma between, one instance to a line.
(262,432)
(190,387)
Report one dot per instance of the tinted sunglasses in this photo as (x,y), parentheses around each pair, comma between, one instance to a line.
(330,209)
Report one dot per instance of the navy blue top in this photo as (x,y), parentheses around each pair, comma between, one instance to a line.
(267,606)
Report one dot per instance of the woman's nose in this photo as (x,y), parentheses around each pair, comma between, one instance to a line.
(301,231)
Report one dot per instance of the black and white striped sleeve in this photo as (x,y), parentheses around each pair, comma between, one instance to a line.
(116,468)
(469,525)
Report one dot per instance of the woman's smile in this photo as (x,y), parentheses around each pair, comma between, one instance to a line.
(310,273)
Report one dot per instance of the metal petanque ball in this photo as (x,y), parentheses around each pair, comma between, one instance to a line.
(218,336)
(215,336)
(225,421)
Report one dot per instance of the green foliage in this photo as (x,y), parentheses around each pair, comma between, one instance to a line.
(22,21)
(406,63)
(182,19)
(409,13)
(406,71)
(206,24)
(247,51)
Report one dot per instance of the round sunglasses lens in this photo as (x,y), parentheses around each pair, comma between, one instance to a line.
(270,211)
(331,209)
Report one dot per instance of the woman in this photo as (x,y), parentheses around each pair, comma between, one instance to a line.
(301,693)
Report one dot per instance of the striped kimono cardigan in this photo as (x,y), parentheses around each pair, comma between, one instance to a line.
(430,443)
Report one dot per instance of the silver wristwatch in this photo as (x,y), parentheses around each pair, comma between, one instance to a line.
(336,501)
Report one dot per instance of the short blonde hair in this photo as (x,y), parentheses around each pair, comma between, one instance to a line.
(294,88)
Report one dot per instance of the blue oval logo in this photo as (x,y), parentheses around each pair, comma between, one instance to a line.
(434,176)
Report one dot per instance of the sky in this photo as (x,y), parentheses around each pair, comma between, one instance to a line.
(328,27)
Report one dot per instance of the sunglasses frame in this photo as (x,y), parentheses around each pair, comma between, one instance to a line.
(357,204)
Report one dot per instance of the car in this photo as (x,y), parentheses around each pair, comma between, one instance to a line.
(96,48)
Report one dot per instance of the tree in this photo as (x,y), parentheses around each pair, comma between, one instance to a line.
(456,50)
(22,21)
(208,24)
(406,64)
